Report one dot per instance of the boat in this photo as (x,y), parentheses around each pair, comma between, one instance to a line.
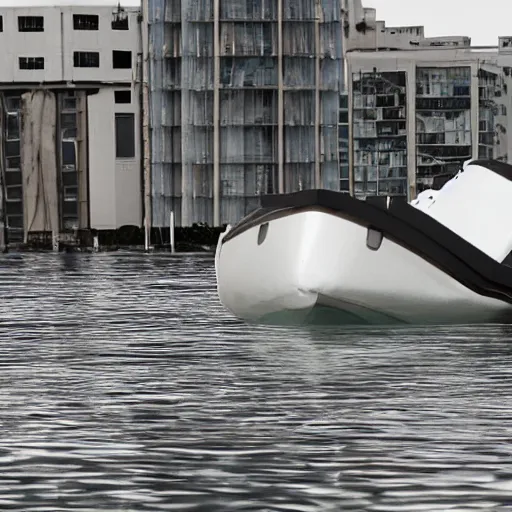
(324,257)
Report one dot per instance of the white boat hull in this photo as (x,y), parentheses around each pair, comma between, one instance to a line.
(316,267)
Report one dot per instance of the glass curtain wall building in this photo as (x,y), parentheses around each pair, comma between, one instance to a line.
(244,102)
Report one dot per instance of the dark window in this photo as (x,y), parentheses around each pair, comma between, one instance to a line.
(71,194)
(13,127)
(121,59)
(30,23)
(69,206)
(69,133)
(123,96)
(14,221)
(14,208)
(86,21)
(13,162)
(68,153)
(125,135)
(68,120)
(13,102)
(14,193)
(86,59)
(12,178)
(12,148)
(1,23)
(31,62)
(120,22)
(69,179)
(69,103)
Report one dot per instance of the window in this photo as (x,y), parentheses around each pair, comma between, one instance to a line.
(13,163)
(123,96)
(12,148)
(69,103)
(13,126)
(1,23)
(120,22)
(13,103)
(31,62)
(86,22)
(14,193)
(86,59)
(68,154)
(30,23)
(121,59)
(68,120)
(125,135)
(71,194)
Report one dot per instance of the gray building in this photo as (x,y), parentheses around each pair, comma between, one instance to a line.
(244,101)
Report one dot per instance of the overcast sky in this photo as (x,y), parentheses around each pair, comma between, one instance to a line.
(482,21)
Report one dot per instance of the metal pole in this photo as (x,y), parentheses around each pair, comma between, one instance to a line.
(145,124)
(171,232)
(216,114)
(318,12)
(280,103)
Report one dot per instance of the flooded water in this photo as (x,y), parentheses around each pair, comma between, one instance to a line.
(124,386)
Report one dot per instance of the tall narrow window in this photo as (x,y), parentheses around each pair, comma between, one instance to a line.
(31,62)
(121,59)
(86,22)
(86,59)
(125,135)
(1,23)
(30,23)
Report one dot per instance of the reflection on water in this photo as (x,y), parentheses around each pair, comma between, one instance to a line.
(124,385)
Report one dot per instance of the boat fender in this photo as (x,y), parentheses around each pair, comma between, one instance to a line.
(374,239)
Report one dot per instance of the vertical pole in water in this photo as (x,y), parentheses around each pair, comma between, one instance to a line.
(146,148)
(55,242)
(171,231)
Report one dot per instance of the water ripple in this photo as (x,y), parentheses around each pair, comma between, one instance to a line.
(124,385)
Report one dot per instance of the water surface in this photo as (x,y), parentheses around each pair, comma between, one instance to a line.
(125,386)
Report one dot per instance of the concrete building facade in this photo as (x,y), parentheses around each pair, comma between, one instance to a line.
(70,149)
(420,107)
(244,101)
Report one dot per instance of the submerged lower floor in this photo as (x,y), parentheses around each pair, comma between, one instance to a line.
(69,162)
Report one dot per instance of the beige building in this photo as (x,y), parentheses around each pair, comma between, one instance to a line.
(71,156)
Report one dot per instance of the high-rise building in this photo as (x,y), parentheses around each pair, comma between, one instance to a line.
(244,102)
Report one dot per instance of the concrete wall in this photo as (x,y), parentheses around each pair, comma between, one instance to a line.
(114,184)
(59,41)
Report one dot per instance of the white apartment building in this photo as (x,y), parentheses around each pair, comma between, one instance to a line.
(70,150)
(419,107)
